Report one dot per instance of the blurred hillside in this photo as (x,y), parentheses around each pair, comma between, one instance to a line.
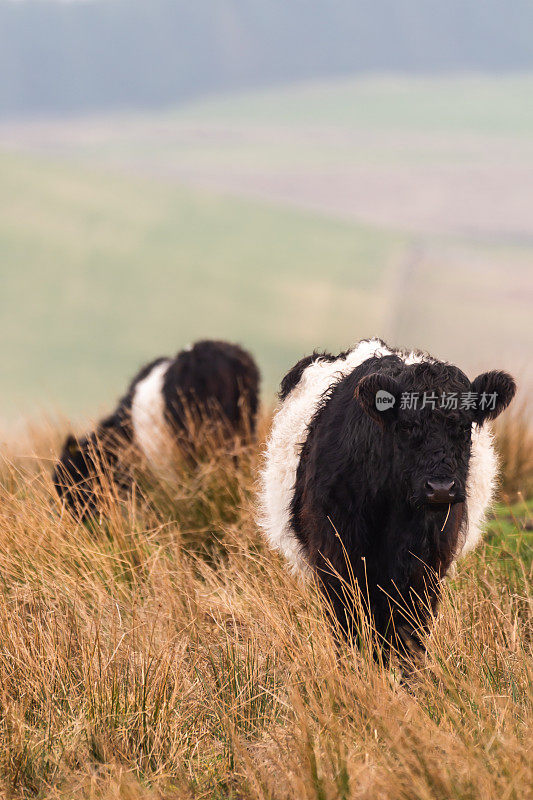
(57,56)
(101,273)
(304,217)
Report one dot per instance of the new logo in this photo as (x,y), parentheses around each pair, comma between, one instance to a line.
(384,400)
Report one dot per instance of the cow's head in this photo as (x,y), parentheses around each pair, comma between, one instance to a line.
(74,475)
(430,439)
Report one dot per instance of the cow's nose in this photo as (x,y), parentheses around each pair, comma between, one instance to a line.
(440,491)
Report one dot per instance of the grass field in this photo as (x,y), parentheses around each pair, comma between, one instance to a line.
(165,654)
(476,103)
(287,219)
(103,272)
(429,155)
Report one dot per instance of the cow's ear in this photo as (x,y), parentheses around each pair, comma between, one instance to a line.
(494,391)
(379,395)
(293,376)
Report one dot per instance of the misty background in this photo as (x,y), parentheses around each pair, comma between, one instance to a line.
(66,56)
(285,173)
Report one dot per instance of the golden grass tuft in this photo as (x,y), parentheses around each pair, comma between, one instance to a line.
(514,441)
(164,652)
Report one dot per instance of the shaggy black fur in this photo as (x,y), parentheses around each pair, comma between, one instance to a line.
(362,475)
(292,378)
(215,379)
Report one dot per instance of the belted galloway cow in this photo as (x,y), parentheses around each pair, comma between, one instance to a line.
(379,469)
(167,403)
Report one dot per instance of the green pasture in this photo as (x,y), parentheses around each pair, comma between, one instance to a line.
(107,261)
(477,103)
(101,272)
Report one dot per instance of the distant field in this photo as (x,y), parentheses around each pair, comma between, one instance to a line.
(477,103)
(432,156)
(289,218)
(100,273)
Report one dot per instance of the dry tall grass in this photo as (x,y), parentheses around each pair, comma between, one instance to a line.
(165,653)
(514,439)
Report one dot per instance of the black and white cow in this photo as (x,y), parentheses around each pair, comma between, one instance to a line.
(211,381)
(357,482)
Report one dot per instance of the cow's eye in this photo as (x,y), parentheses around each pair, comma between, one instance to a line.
(407,428)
